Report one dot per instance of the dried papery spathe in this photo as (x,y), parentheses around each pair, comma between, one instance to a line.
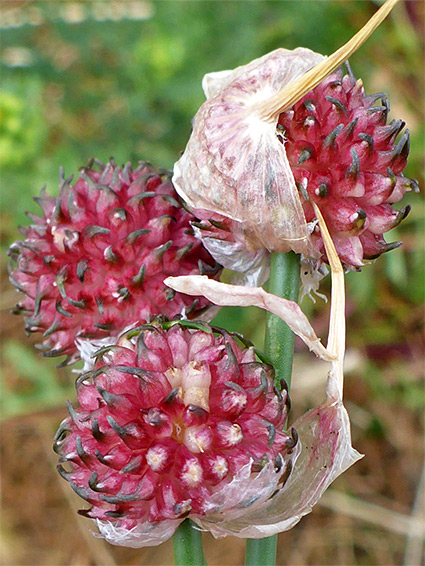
(224,239)
(238,296)
(234,163)
(324,432)
(326,452)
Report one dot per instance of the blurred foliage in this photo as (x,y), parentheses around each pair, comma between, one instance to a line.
(82,79)
(32,382)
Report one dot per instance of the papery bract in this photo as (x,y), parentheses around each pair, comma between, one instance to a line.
(223,294)
(234,163)
(326,452)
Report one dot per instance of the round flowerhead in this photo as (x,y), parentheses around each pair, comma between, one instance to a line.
(174,422)
(255,170)
(95,262)
(349,161)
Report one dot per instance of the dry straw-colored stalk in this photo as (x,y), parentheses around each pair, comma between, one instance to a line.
(336,335)
(280,102)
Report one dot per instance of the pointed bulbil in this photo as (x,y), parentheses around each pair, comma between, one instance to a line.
(174,421)
(95,262)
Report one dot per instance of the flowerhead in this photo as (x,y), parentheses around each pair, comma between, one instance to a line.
(261,171)
(174,422)
(95,261)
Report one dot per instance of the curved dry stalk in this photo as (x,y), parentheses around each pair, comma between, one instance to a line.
(287,97)
(336,335)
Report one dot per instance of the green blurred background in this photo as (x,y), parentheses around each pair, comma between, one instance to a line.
(123,79)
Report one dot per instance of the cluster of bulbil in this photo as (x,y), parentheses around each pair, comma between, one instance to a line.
(174,421)
(95,261)
(343,156)
(349,161)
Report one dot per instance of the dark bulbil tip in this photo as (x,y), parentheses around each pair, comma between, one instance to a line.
(186,249)
(172,396)
(133,236)
(84,457)
(124,293)
(292,441)
(349,128)
(391,246)
(394,128)
(368,139)
(118,429)
(139,278)
(92,231)
(350,72)
(169,294)
(79,304)
(82,266)
(160,250)
(109,255)
(354,168)
(308,103)
(323,190)
(404,212)
(330,139)
(305,154)
(340,106)
(82,492)
(61,434)
(93,482)
(72,412)
(110,399)
(414,185)
(96,430)
(361,218)
(403,146)
(107,327)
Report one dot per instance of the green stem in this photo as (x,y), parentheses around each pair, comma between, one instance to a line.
(279,346)
(261,551)
(187,546)
(279,341)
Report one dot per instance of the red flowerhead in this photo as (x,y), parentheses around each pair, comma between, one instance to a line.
(95,262)
(174,422)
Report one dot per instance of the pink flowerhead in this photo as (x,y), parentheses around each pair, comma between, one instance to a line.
(175,422)
(349,161)
(95,262)
(255,174)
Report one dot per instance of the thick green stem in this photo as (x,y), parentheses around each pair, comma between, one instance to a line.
(187,546)
(261,551)
(279,346)
(279,340)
